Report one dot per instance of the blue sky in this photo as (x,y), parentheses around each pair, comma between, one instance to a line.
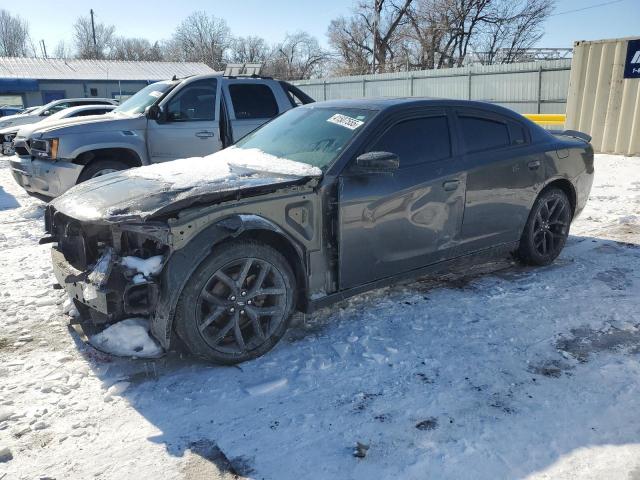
(271,19)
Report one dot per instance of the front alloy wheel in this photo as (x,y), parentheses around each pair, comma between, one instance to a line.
(241,305)
(237,304)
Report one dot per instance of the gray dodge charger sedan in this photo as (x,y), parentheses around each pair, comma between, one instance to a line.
(326,201)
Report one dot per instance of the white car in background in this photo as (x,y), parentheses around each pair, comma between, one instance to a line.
(9,134)
(49,109)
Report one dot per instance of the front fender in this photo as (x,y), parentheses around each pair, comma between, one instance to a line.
(134,144)
(183,263)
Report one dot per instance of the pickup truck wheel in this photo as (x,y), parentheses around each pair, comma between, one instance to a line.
(97,168)
(547,228)
(238,303)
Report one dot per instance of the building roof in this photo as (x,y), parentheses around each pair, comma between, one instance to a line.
(60,69)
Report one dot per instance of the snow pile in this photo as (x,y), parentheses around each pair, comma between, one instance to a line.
(129,337)
(253,159)
(147,267)
(223,166)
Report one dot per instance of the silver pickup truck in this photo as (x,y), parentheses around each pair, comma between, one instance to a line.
(188,117)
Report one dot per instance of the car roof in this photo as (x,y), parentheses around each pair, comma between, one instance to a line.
(90,106)
(397,103)
(81,108)
(100,99)
(221,75)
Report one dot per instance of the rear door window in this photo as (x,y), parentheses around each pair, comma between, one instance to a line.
(518,135)
(252,101)
(483,133)
(417,141)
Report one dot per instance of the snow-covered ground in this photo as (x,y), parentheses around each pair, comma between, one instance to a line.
(516,373)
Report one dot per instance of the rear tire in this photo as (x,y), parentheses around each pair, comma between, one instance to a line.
(97,168)
(547,228)
(238,303)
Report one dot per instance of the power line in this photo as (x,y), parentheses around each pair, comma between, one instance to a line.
(586,8)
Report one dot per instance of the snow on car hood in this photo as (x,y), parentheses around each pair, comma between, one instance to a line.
(166,187)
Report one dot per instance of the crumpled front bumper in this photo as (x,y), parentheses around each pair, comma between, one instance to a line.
(104,298)
(78,286)
(43,177)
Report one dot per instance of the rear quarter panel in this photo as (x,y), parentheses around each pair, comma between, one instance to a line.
(573,160)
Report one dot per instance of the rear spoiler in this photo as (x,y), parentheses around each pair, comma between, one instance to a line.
(575,134)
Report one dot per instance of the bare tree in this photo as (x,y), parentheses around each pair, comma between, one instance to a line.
(425,32)
(389,35)
(517,26)
(298,56)
(83,39)
(135,49)
(351,41)
(371,33)
(249,49)
(62,50)
(200,38)
(14,36)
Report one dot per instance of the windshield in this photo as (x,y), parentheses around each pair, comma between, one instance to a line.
(40,110)
(144,98)
(311,135)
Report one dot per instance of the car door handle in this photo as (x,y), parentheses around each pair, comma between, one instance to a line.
(451,185)
(204,134)
(534,165)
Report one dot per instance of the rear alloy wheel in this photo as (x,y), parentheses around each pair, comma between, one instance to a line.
(547,228)
(237,304)
(98,168)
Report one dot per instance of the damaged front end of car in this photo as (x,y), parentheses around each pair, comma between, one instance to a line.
(109,270)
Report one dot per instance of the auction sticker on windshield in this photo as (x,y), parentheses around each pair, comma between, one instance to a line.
(345,121)
(155,93)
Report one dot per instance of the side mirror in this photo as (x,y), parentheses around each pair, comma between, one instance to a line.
(154,112)
(378,162)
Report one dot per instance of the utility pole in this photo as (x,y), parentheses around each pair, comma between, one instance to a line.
(377,8)
(93,30)
(44,49)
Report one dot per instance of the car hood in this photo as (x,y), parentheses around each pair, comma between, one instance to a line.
(13,120)
(94,123)
(149,192)
(6,130)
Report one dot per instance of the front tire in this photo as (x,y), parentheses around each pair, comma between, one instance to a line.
(238,303)
(547,228)
(98,168)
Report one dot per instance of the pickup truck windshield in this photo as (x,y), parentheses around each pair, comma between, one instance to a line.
(144,98)
(311,135)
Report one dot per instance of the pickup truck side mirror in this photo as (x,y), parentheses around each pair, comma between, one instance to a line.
(378,162)
(154,112)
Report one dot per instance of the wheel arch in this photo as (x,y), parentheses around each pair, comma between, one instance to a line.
(566,186)
(183,263)
(126,155)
